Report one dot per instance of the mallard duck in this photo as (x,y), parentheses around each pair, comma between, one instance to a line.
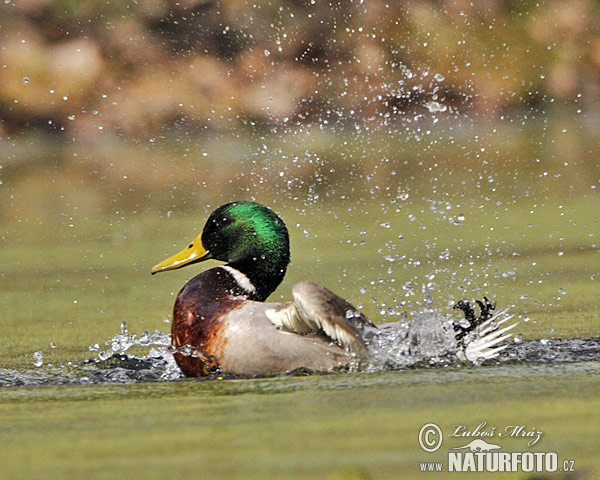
(221,321)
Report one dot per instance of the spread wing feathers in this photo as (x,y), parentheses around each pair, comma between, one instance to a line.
(489,337)
(318,310)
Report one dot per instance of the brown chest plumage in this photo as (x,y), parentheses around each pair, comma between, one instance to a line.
(198,320)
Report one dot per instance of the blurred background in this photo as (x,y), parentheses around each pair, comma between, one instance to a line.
(443,143)
(146,104)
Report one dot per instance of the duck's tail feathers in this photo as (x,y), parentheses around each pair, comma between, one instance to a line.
(488,339)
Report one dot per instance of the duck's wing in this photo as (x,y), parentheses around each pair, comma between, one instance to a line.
(316,309)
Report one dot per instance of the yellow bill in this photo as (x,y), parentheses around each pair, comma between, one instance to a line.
(194,252)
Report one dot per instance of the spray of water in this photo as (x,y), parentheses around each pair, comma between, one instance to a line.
(427,339)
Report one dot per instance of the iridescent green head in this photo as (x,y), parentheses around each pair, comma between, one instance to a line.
(248,236)
(246,231)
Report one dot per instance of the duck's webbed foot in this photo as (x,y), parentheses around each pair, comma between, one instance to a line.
(481,337)
(471,322)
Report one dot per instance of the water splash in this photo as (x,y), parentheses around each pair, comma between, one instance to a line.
(428,339)
(114,365)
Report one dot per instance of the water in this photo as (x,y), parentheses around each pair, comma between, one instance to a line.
(427,340)
(112,365)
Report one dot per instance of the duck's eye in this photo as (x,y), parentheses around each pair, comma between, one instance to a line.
(225,221)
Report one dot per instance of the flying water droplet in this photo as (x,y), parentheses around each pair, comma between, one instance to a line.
(435,107)
(458,220)
(38,359)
